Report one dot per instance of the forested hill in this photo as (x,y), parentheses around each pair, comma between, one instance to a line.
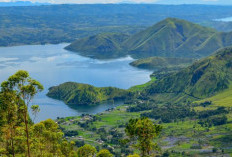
(203,79)
(83,94)
(108,44)
(173,38)
(169,38)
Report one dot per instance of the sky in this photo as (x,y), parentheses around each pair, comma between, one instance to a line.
(217,2)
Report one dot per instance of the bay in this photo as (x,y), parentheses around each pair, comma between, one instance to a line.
(52,65)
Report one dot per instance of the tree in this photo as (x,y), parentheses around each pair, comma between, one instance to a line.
(24,89)
(86,151)
(8,120)
(18,135)
(143,131)
(104,153)
(48,139)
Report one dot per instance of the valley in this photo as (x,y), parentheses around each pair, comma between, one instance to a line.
(115,80)
(192,125)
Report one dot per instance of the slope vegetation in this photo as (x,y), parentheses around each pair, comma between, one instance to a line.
(101,46)
(82,94)
(169,38)
(203,79)
(155,63)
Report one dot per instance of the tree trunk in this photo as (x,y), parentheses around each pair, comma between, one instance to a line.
(12,144)
(27,132)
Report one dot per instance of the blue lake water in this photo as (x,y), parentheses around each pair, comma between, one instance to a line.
(227,19)
(52,65)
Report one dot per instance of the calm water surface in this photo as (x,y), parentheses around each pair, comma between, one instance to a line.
(52,65)
(227,19)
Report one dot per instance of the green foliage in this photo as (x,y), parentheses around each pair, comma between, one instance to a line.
(134,155)
(101,46)
(18,135)
(48,139)
(83,94)
(143,130)
(154,63)
(203,79)
(141,87)
(35,110)
(172,38)
(209,113)
(169,113)
(104,153)
(213,121)
(22,89)
(86,151)
(38,25)
(169,38)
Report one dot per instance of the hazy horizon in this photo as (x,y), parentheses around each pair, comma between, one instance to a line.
(177,2)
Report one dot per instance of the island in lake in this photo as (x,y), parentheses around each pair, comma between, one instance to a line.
(83,94)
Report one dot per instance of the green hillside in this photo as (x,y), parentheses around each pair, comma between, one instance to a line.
(101,46)
(176,38)
(82,94)
(155,63)
(203,79)
(169,38)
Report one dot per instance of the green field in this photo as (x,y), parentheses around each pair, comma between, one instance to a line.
(177,137)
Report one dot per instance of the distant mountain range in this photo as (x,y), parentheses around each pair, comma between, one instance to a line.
(21,3)
(169,38)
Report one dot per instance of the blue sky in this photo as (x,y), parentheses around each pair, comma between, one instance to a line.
(221,2)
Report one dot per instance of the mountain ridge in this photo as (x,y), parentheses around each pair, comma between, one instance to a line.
(171,37)
(205,78)
(100,45)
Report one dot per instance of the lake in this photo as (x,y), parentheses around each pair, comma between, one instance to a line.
(227,19)
(52,65)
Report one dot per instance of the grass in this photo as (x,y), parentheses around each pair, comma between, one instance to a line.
(154,63)
(143,86)
(222,99)
(115,118)
(108,120)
